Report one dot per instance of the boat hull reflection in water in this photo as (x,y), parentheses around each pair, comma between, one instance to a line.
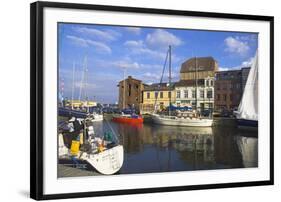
(155,148)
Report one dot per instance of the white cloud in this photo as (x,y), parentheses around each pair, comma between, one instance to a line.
(101,47)
(236,45)
(139,48)
(226,68)
(148,76)
(246,63)
(154,77)
(249,37)
(134,30)
(162,38)
(126,64)
(150,52)
(87,85)
(134,44)
(78,41)
(107,35)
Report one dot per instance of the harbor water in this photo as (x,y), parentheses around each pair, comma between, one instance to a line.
(152,148)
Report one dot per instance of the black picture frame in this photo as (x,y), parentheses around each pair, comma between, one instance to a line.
(36,98)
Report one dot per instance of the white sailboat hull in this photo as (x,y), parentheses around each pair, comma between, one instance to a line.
(97,117)
(107,162)
(175,121)
(62,149)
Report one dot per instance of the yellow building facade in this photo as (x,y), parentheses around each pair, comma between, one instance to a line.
(158,95)
(78,103)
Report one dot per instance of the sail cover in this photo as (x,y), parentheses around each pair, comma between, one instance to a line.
(248,108)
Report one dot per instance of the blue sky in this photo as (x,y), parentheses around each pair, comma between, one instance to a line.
(141,51)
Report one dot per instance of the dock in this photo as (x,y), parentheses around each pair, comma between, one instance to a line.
(70,170)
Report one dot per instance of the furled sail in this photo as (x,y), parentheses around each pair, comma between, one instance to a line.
(248,108)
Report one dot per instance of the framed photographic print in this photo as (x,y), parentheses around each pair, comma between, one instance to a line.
(136,100)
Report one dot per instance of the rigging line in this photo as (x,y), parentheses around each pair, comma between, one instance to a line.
(163,71)
(114,132)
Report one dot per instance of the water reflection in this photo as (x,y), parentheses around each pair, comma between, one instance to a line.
(154,148)
(248,148)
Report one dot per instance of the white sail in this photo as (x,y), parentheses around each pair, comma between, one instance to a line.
(248,108)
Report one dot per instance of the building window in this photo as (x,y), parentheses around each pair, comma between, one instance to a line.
(169,94)
(130,88)
(209,94)
(218,97)
(178,94)
(207,82)
(193,93)
(156,95)
(148,95)
(186,94)
(137,86)
(202,93)
(224,97)
(212,83)
(218,86)
(161,94)
(193,104)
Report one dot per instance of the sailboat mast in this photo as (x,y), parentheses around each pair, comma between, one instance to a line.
(86,83)
(82,80)
(170,78)
(196,82)
(72,93)
(124,90)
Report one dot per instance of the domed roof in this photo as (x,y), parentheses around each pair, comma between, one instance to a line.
(203,64)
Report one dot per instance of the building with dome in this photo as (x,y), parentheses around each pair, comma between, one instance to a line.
(197,81)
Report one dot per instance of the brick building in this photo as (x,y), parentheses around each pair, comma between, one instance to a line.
(244,72)
(131,96)
(229,86)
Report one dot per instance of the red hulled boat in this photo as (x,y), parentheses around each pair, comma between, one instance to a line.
(130,119)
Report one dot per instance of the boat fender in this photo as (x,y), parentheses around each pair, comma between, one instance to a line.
(101,148)
(74,149)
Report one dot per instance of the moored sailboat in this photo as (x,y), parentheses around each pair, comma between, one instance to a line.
(247,113)
(86,112)
(104,153)
(195,120)
(176,121)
